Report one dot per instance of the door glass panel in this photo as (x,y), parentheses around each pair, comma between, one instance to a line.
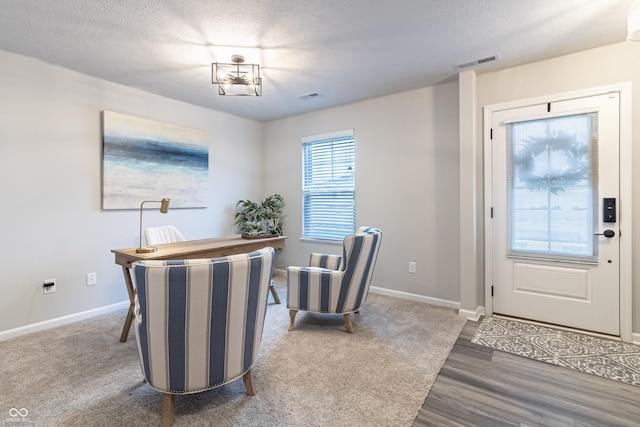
(552,187)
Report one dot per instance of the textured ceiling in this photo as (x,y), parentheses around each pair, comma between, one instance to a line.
(346,50)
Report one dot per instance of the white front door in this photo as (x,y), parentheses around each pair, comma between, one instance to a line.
(555,197)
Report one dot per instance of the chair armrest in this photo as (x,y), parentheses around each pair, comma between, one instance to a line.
(331,262)
(313,288)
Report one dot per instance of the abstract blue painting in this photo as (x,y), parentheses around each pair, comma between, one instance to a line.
(148,160)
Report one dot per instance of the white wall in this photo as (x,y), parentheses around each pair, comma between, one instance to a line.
(407,181)
(50,186)
(593,68)
(407,169)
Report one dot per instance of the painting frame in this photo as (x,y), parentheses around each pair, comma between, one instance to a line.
(143,159)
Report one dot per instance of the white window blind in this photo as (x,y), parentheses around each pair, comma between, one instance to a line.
(328,188)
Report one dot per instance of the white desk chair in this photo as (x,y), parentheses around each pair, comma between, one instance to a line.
(164,234)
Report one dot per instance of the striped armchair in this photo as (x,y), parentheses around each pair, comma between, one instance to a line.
(198,323)
(333,283)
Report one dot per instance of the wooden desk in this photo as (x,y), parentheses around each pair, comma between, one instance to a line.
(191,249)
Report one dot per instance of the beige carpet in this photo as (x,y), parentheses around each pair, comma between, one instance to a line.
(317,375)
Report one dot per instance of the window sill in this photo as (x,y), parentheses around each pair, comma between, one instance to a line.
(322,241)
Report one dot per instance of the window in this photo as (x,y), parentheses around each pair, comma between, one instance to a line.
(553,189)
(328,187)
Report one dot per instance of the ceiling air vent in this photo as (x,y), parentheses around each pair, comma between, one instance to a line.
(311,95)
(463,65)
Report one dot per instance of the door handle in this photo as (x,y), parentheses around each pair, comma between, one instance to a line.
(607,233)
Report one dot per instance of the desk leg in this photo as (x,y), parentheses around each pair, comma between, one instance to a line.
(276,298)
(132,295)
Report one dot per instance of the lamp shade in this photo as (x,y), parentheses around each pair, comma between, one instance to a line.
(164,207)
(633,23)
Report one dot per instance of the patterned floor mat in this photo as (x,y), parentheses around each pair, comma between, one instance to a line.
(598,356)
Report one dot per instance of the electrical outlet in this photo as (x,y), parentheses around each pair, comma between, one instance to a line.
(49,286)
(412,267)
(92,279)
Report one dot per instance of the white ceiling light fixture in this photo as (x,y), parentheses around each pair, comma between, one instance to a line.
(237,78)
(633,23)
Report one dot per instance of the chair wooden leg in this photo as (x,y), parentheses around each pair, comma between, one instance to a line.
(248,383)
(276,298)
(347,323)
(168,407)
(292,315)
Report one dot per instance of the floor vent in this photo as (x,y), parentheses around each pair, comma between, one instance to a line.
(463,65)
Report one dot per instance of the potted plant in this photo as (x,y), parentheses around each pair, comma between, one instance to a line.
(259,219)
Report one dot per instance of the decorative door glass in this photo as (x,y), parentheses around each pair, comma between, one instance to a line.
(552,188)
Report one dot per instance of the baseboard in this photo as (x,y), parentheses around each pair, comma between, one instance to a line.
(48,324)
(414,297)
(473,315)
(635,338)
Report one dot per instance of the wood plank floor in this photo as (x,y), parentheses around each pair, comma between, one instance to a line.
(479,386)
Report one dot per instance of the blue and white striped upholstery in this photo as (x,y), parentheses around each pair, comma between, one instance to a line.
(332,262)
(335,284)
(199,322)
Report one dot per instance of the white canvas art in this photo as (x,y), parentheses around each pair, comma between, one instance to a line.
(148,160)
